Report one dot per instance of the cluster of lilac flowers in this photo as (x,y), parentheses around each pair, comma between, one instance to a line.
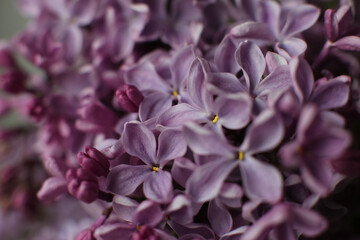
(182,119)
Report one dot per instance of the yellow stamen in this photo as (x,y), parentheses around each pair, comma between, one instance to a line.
(138,227)
(156,169)
(216,118)
(175,93)
(241,155)
(166,218)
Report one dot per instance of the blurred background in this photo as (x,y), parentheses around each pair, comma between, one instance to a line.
(11,22)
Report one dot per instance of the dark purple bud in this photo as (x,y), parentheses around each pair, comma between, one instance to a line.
(13,81)
(145,233)
(129,98)
(36,109)
(331,25)
(82,184)
(86,234)
(94,161)
(6,57)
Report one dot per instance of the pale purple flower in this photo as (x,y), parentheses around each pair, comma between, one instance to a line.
(318,140)
(264,134)
(140,142)
(278,26)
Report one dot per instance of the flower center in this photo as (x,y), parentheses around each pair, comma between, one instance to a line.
(241,155)
(175,93)
(215,119)
(155,169)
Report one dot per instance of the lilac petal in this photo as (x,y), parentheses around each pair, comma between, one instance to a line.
(274,60)
(318,176)
(333,94)
(278,80)
(231,194)
(221,83)
(265,133)
(74,42)
(144,77)
(158,186)
(308,222)
(331,25)
(182,169)
(83,10)
(148,213)
(153,105)
(171,144)
(192,236)
(219,218)
(124,207)
(345,17)
(115,231)
(283,231)
(252,62)
(204,141)
(349,43)
(224,56)
(139,141)
(291,47)
(177,115)
(302,76)
(270,14)
(196,81)
(348,163)
(124,179)
(299,19)
(52,188)
(234,234)
(253,31)
(206,181)
(180,210)
(256,185)
(233,110)
(180,65)
(196,228)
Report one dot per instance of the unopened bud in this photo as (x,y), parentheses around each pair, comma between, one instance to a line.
(13,81)
(129,98)
(82,184)
(94,161)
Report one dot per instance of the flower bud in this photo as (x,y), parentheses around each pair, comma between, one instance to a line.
(94,161)
(13,81)
(6,58)
(129,98)
(36,109)
(82,184)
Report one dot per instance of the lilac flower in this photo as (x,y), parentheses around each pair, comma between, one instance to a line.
(140,142)
(253,64)
(279,25)
(231,111)
(318,140)
(280,221)
(159,92)
(264,134)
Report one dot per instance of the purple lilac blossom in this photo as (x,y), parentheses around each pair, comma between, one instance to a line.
(182,119)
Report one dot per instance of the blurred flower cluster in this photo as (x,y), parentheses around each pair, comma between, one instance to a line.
(180,119)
